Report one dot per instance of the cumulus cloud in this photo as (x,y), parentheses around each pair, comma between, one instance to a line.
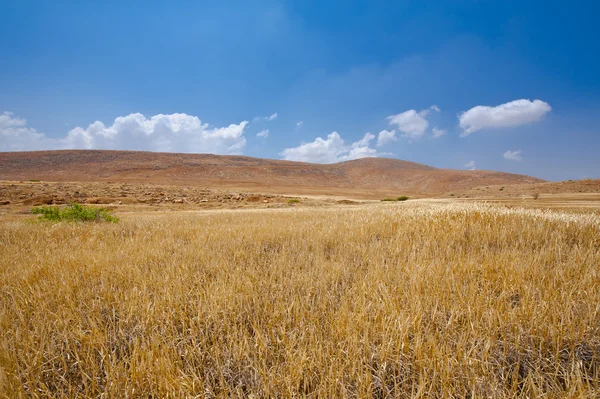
(171,133)
(8,119)
(271,117)
(263,133)
(330,150)
(513,155)
(511,114)
(437,133)
(471,165)
(412,123)
(386,136)
(16,136)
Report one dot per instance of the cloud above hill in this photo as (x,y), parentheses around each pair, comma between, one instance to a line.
(513,155)
(471,165)
(412,123)
(169,133)
(15,135)
(386,136)
(511,114)
(330,150)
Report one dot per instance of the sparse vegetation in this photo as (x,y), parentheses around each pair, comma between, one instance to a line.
(294,201)
(401,198)
(254,175)
(74,213)
(446,300)
(132,195)
(536,196)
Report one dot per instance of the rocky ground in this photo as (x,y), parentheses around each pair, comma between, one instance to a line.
(16,196)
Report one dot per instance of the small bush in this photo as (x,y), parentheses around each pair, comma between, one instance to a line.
(74,213)
(536,196)
(293,200)
(34,180)
(401,198)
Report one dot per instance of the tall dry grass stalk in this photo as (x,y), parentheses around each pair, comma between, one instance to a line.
(378,301)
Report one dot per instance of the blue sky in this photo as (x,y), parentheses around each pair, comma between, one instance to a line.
(511,86)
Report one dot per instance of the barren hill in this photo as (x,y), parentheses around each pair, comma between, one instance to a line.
(586,186)
(362,178)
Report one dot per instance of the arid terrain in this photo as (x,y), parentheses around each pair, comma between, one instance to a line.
(208,290)
(367,178)
(160,181)
(20,197)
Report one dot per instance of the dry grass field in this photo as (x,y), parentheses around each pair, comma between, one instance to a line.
(375,300)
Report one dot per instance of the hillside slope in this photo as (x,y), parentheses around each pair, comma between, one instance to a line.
(363,178)
(586,186)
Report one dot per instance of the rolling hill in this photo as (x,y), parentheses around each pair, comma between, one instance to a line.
(362,178)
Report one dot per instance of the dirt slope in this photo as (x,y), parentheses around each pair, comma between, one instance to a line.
(587,186)
(363,178)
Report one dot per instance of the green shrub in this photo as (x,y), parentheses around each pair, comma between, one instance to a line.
(293,200)
(74,213)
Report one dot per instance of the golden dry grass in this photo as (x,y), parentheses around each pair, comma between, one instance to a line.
(386,300)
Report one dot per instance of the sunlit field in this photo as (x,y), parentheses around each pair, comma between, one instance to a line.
(378,300)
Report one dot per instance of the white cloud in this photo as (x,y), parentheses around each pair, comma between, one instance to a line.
(300,123)
(330,150)
(16,136)
(173,133)
(437,133)
(361,149)
(514,113)
(271,117)
(8,119)
(513,155)
(385,137)
(263,133)
(470,165)
(412,123)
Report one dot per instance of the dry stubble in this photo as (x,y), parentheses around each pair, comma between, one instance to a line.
(376,301)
